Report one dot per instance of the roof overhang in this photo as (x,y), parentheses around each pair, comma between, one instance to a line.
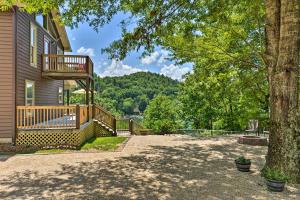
(63,36)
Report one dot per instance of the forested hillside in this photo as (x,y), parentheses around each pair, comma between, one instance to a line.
(131,94)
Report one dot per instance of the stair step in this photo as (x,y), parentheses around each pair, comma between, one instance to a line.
(104,126)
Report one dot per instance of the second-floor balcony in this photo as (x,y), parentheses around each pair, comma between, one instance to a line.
(65,67)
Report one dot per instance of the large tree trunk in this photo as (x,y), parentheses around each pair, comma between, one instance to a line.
(282,60)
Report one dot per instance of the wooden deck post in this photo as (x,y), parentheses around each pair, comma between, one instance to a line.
(92,94)
(87,98)
(87,65)
(68,97)
(93,111)
(77,116)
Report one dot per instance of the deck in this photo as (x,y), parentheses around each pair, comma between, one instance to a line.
(67,67)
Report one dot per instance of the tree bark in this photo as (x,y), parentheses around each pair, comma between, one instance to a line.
(282,59)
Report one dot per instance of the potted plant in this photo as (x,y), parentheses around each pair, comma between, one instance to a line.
(275,179)
(243,164)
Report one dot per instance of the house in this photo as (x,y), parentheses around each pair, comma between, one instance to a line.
(34,70)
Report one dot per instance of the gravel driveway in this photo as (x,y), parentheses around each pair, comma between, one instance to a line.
(149,167)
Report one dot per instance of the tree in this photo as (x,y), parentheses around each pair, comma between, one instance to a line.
(128,105)
(143,102)
(113,90)
(156,20)
(282,59)
(162,115)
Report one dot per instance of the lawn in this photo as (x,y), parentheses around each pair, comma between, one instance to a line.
(50,151)
(103,143)
(100,143)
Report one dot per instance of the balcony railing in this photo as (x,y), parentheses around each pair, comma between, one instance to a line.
(53,63)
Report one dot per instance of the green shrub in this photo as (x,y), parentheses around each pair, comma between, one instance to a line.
(163,115)
(274,174)
(243,160)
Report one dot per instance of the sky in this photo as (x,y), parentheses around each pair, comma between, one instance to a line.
(85,41)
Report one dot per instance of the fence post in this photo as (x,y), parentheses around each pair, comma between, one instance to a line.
(93,111)
(115,126)
(131,126)
(87,70)
(77,116)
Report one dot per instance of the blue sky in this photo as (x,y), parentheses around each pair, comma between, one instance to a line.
(85,41)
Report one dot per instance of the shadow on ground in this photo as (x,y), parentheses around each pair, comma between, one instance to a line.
(187,171)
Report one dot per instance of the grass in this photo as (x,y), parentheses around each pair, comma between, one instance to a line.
(50,151)
(100,143)
(103,143)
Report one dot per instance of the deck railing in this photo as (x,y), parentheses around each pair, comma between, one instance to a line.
(67,63)
(43,117)
(38,117)
(105,117)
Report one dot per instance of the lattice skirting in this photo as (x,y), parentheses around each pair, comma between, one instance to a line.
(55,137)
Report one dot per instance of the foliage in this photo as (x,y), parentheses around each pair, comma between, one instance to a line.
(103,143)
(124,95)
(226,38)
(243,160)
(274,174)
(163,115)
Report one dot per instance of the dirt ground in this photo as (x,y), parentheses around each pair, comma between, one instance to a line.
(149,167)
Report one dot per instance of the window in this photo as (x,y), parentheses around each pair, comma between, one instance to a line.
(46,51)
(42,20)
(60,95)
(46,45)
(33,45)
(39,19)
(29,93)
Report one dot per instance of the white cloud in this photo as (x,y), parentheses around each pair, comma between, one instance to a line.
(86,51)
(73,38)
(118,68)
(174,71)
(163,57)
(151,58)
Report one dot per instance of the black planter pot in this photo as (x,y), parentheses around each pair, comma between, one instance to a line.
(242,167)
(275,186)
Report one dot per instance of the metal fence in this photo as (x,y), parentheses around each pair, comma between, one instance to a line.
(206,132)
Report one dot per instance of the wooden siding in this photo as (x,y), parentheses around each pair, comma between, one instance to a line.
(46,90)
(7,76)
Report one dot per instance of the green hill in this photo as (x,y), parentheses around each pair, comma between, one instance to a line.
(131,94)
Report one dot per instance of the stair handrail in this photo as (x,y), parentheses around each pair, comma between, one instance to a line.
(105,117)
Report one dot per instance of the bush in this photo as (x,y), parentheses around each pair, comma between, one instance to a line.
(273,174)
(243,160)
(163,115)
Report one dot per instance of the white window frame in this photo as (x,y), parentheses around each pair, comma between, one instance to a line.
(60,94)
(33,48)
(33,92)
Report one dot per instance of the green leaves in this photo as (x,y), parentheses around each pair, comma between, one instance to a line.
(124,95)
(222,38)
(274,174)
(163,115)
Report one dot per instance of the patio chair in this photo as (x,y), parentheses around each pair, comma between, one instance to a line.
(252,127)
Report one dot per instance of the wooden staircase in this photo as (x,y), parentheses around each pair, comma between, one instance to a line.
(105,119)
(118,127)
